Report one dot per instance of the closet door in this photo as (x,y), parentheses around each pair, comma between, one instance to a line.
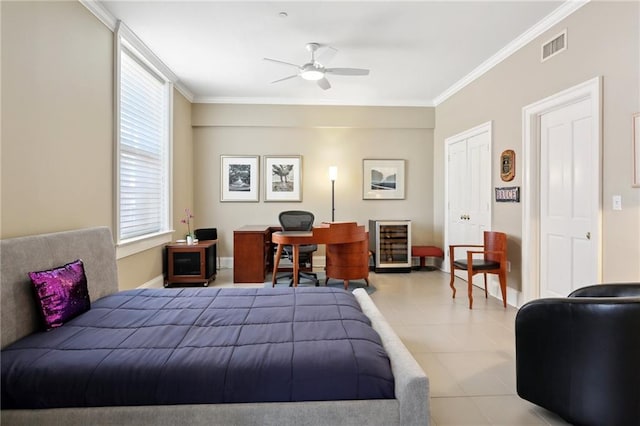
(468,189)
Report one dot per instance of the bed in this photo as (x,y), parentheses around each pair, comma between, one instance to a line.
(409,404)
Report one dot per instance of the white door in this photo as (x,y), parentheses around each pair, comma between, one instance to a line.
(468,189)
(457,191)
(479,204)
(568,174)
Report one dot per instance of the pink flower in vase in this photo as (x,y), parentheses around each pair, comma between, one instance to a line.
(187,220)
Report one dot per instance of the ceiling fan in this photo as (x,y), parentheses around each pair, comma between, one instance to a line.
(314,70)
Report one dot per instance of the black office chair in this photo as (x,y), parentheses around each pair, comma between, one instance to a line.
(203,234)
(298,220)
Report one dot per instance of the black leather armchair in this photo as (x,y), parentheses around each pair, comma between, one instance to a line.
(580,356)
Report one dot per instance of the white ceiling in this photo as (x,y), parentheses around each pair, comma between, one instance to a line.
(418,51)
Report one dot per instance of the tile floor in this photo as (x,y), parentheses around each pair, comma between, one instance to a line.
(468,355)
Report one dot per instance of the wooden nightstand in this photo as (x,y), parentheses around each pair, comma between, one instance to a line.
(190,263)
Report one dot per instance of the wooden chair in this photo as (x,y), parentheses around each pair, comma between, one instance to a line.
(493,261)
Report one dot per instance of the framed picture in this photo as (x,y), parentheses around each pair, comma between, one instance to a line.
(636,149)
(283,178)
(239,178)
(383,179)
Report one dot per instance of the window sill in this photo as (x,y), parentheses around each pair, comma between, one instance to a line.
(137,245)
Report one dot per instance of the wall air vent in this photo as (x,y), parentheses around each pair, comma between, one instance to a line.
(554,46)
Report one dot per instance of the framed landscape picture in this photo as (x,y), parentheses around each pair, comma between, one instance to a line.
(383,179)
(239,178)
(283,178)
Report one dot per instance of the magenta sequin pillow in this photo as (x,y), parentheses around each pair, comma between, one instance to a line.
(61,293)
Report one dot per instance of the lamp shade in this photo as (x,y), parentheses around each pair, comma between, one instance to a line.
(333,173)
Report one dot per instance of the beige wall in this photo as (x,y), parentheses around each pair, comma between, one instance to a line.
(57,128)
(57,118)
(603,41)
(324,136)
(57,136)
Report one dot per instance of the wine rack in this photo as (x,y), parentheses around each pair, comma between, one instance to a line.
(390,243)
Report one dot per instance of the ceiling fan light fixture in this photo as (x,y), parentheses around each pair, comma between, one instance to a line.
(312,75)
(315,70)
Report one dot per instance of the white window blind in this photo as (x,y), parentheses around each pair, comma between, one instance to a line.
(143,160)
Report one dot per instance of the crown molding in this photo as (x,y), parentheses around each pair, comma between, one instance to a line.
(560,13)
(101,13)
(132,40)
(528,36)
(188,94)
(328,102)
(111,22)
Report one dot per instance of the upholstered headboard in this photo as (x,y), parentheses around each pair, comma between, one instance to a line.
(19,256)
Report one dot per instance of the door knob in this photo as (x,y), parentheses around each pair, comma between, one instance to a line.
(588,235)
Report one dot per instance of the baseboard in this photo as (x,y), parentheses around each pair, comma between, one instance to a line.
(154,282)
(225,263)
(513,296)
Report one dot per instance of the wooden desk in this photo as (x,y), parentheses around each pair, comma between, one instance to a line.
(347,250)
(252,255)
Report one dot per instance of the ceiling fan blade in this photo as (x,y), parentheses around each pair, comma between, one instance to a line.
(324,83)
(327,55)
(347,71)
(280,62)
(285,78)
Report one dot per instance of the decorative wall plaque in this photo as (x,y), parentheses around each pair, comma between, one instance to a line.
(508,165)
(508,194)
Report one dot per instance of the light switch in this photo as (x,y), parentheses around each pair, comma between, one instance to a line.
(617,202)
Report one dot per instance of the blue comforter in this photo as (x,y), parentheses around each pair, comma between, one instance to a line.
(191,346)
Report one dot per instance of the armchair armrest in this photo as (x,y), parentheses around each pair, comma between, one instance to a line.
(500,253)
(608,290)
(578,357)
(455,246)
(501,257)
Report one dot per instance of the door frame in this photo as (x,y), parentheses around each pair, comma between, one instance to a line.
(486,127)
(591,89)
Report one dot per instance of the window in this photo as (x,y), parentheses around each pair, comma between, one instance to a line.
(143,120)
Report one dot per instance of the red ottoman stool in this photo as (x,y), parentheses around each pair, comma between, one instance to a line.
(426,251)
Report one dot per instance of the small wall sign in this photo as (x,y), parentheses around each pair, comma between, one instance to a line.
(509,194)
(508,165)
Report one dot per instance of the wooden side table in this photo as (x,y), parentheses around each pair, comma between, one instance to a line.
(190,263)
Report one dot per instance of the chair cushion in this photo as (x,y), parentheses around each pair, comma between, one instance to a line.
(478,264)
(426,251)
(303,249)
(308,248)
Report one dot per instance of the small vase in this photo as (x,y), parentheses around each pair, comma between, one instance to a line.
(189,239)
